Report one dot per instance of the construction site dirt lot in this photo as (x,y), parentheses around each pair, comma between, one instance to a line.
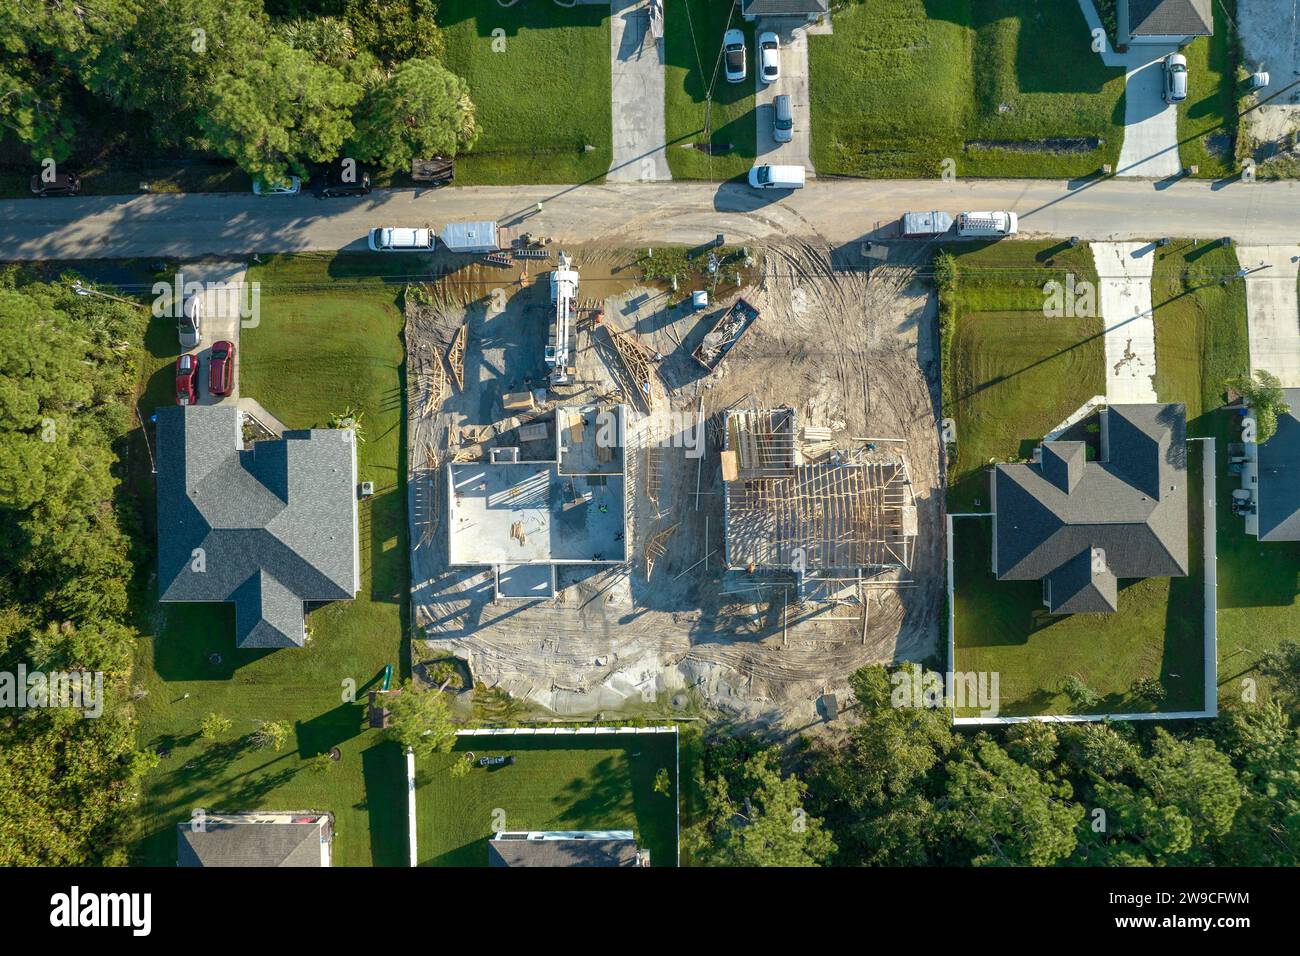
(851,349)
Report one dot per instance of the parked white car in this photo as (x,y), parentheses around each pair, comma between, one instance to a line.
(986,225)
(389,239)
(733,55)
(289,187)
(769,56)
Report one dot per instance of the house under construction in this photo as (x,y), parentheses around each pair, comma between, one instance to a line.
(848,515)
(524,516)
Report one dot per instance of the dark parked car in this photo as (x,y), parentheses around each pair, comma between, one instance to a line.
(496,761)
(187,379)
(63,184)
(221,368)
(340,181)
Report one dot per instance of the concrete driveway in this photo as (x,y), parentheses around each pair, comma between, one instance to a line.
(221,318)
(1150,147)
(636,95)
(794,83)
(1124,297)
(1273,310)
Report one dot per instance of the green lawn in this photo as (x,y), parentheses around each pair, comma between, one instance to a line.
(542,99)
(1206,138)
(1010,374)
(1201,340)
(315,351)
(902,85)
(1200,325)
(1258,582)
(603,782)
(1003,627)
(693,32)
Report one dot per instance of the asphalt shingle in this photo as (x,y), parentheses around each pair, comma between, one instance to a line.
(269,528)
(1170,17)
(1063,517)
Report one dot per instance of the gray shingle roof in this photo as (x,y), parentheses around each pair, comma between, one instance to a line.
(1171,17)
(248,843)
(1279,477)
(1063,463)
(1082,585)
(562,853)
(1051,517)
(276,524)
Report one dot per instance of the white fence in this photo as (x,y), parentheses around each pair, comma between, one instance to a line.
(410,802)
(560,731)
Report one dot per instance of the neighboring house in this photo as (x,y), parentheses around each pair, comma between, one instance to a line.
(566,848)
(256,838)
(1277,477)
(804,9)
(267,529)
(1163,22)
(1079,526)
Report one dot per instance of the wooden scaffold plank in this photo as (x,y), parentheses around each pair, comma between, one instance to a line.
(456,356)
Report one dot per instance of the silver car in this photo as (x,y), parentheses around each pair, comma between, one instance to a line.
(190,324)
(782,119)
(733,55)
(1175,78)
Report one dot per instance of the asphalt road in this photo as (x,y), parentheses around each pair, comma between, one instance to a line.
(839,211)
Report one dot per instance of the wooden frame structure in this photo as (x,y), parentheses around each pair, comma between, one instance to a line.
(636,358)
(435,379)
(456,356)
(657,547)
(820,520)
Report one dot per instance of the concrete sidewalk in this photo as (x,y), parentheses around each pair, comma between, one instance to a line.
(1124,297)
(255,408)
(1273,310)
(636,95)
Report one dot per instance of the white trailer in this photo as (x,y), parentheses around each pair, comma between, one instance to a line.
(480,236)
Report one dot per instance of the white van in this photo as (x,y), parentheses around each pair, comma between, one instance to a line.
(401,240)
(776,177)
(986,225)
